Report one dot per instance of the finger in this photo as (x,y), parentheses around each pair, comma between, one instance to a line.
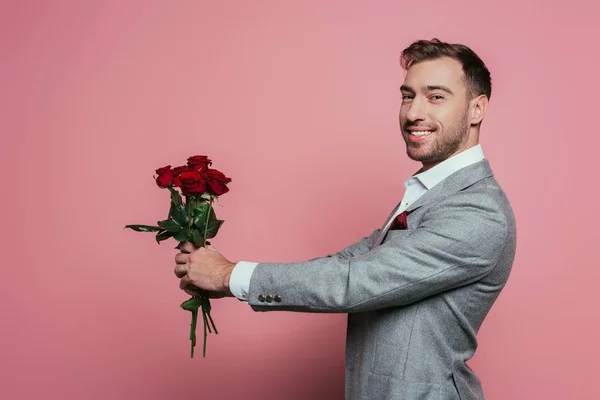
(181,270)
(183,282)
(182,258)
(186,247)
(186,286)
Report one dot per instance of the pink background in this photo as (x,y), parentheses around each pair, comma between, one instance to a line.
(297,102)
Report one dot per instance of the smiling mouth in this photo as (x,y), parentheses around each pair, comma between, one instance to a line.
(420,133)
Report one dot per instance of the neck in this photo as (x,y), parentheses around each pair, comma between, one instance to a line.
(428,165)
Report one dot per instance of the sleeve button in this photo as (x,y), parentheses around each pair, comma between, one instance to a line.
(277,299)
(261,298)
(269,299)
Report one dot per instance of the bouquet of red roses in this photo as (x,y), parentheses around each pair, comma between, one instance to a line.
(191,220)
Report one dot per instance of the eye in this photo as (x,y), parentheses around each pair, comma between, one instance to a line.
(437,97)
(407,97)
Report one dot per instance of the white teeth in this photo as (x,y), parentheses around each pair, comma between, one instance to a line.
(421,133)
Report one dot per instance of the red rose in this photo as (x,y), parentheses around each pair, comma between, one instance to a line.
(217,182)
(176,172)
(192,183)
(164,176)
(196,163)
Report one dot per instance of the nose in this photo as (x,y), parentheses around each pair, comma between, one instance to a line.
(417,110)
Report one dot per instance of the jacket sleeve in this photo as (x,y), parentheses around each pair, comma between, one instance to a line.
(458,241)
(361,247)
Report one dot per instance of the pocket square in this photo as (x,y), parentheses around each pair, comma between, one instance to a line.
(400,221)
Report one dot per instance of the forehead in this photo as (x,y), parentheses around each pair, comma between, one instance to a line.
(442,71)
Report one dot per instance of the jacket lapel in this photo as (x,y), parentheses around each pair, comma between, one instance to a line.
(455,182)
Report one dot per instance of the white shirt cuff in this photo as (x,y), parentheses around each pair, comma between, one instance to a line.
(239,282)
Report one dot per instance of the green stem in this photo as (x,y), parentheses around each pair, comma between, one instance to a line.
(193,331)
(207,219)
(205,324)
(190,207)
(213,324)
(206,318)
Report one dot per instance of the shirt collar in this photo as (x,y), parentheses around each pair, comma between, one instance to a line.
(435,175)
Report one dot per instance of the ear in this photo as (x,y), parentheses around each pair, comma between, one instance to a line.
(478,108)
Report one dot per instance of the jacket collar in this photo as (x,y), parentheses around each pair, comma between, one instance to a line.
(455,182)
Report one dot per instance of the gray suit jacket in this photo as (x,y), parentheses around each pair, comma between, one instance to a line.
(415,298)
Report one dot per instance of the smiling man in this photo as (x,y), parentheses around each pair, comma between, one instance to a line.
(416,290)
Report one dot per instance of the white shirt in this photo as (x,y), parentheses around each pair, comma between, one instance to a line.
(416,186)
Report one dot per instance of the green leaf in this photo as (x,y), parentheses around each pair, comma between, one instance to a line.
(169,225)
(175,196)
(192,304)
(213,228)
(181,236)
(143,228)
(163,235)
(178,213)
(196,237)
(201,211)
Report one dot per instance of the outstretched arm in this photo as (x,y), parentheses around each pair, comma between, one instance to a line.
(458,241)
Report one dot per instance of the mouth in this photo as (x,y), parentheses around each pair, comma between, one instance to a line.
(418,135)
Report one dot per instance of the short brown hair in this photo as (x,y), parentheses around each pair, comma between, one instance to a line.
(477,75)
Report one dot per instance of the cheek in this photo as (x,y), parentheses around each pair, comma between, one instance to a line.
(441,117)
(402,114)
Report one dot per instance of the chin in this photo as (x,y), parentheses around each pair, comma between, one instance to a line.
(415,157)
(416,153)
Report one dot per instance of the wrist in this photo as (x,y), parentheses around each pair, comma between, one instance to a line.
(227,277)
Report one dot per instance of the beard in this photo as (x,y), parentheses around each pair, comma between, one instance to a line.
(443,146)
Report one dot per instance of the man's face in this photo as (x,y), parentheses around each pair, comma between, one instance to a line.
(434,116)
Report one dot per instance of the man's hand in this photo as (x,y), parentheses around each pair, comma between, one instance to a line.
(204,268)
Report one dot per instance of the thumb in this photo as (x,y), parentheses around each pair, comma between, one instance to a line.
(211,248)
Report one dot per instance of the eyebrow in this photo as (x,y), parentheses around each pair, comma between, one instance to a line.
(429,88)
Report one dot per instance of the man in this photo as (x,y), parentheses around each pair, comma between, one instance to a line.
(415,296)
